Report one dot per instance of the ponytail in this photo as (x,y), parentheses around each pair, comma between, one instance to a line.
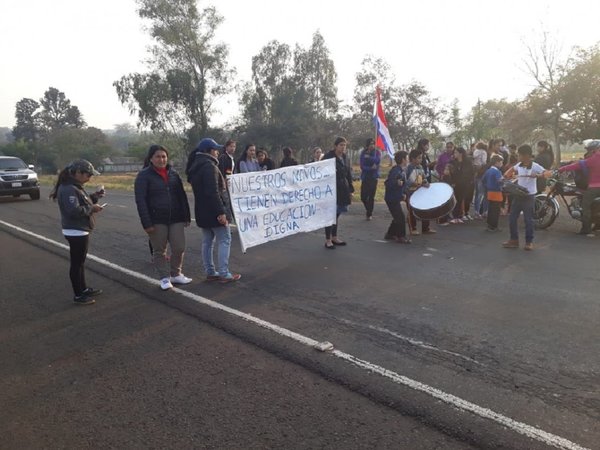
(63,177)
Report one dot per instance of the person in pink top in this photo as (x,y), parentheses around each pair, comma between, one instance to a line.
(592,165)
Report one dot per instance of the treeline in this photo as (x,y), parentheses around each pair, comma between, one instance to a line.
(292,99)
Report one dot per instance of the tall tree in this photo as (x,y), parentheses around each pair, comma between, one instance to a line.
(26,127)
(412,113)
(580,95)
(544,64)
(315,71)
(57,112)
(373,72)
(270,68)
(188,70)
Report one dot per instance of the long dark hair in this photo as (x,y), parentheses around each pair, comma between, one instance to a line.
(65,175)
(421,143)
(243,157)
(547,148)
(463,153)
(151,151)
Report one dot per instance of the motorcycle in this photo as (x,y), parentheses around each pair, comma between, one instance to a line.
(546,207)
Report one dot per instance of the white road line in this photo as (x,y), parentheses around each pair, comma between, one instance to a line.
(412,341)
(457,402)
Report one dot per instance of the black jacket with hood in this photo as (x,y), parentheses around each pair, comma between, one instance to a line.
(210,191)
(159,202)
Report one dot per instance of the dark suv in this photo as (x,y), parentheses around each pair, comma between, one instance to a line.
(17,178)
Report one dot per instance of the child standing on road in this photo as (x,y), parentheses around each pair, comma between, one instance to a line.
(394,194)
(415,178)
(492,181)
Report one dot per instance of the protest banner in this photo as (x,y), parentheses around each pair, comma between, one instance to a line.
(273,204)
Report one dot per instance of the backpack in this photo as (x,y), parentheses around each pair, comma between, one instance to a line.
(581,177)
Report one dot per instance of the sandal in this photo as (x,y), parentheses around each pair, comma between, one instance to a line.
(330,247)
(339,243)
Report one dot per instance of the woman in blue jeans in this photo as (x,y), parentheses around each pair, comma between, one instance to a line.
(212,209)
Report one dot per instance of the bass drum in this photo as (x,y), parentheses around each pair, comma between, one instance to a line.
(433,202)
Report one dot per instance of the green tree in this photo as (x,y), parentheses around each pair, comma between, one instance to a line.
(412,113)
(580,95)
(292,98)
(315,71)
(188,71)
(26,127)
(545,67)
(271,67)
(57,112)
(373,72)
(67,144)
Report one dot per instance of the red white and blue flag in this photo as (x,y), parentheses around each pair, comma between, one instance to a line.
(384,140)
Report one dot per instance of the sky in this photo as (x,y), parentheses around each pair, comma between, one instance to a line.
(463,49)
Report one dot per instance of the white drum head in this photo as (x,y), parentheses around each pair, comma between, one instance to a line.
(432,197)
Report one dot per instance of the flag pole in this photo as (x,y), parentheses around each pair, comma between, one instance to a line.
(376,101)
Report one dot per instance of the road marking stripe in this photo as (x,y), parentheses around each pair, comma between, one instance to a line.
(412,341)
(457,402)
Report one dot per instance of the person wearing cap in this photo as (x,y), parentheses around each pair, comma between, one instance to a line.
(592,165)
(164,212)
(370,159)
(212,209)
(77,211)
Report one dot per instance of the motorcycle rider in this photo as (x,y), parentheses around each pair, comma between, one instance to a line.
(592,165)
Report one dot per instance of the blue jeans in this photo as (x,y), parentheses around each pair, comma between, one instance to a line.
(223,237)
(526,205)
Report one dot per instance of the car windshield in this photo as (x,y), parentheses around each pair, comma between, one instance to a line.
(12,163)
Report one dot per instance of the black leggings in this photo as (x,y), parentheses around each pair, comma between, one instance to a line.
(332,230)
(78,246)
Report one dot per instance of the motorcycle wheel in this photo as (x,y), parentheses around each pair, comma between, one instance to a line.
(545,212)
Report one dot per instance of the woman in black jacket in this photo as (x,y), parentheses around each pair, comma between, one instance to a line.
(344,188)
(164,212)
(462,178)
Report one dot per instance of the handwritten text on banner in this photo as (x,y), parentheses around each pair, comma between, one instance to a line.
(272,204)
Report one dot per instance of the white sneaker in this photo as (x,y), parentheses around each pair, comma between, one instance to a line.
(165,284)
(181,279)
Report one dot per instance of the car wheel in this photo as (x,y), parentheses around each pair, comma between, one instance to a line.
(35,195)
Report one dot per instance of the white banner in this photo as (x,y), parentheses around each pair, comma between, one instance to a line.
(273,204)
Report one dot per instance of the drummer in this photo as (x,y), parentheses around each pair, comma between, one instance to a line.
(526,171)
(415,178)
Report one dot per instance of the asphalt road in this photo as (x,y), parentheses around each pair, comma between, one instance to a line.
(511,332)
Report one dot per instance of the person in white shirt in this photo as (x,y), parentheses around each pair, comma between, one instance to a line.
(526,172)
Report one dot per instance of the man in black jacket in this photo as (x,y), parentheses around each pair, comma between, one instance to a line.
(211,205)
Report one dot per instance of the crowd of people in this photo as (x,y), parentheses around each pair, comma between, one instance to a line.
(478,177)
(492,178)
